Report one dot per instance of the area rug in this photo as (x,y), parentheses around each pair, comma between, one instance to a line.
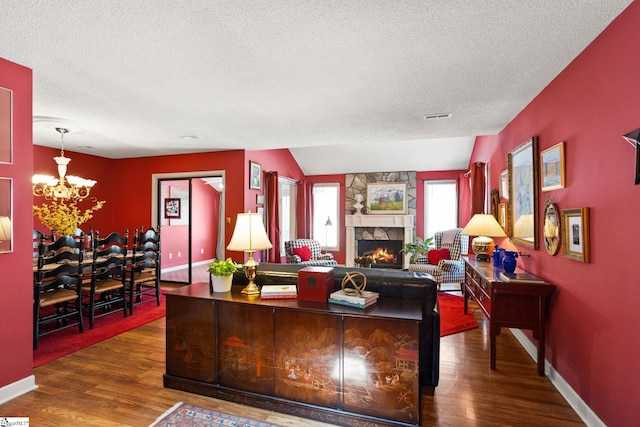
(66,341)
(452,318)
(185,415)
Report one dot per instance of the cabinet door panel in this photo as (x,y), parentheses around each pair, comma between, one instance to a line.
(307,357)
(246,353)
(380,368)
(191,341)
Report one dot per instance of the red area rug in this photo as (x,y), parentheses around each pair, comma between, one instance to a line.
(452,318)
(185,415)
(66,341)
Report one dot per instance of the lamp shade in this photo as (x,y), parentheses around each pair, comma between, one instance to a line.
(483,225)
(5,228)
(249,234)
(524,227)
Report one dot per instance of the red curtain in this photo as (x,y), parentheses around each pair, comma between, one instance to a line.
(478,187)
(308,209)
(273,216)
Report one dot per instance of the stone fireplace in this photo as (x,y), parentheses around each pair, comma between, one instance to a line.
(389,228)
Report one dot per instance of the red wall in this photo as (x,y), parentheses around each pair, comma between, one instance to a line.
(592,331)
(16,288)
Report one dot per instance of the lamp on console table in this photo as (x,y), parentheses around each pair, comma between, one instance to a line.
(484,227)
(249,236)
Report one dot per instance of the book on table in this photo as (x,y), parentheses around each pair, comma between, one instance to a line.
(351,303)
(279,291)
(519,277)
(364,300)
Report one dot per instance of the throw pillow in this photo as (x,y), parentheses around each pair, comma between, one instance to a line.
(304,253)
(435,255)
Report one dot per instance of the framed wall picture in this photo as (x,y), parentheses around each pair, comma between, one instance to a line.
(259,199)
(504,184)
(387,198)
(575,234)
(523,194)
(503,216)
(172,208)
(6,218)
(255,176)
(6,116)
(552,167)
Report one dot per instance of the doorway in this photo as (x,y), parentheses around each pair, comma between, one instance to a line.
(189,208)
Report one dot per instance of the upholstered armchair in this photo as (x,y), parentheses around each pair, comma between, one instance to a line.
(307,251)
(444,262)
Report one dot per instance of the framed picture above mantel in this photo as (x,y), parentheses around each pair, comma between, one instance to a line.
(387,198)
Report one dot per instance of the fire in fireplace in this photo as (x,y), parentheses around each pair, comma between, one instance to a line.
(386,253)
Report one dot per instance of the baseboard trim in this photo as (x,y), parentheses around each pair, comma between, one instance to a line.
(575,401)
(183,266)
(18,388)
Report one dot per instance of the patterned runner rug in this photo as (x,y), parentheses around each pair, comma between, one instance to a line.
(185,415)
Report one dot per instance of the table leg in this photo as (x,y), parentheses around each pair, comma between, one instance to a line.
(541,332)
(492,352)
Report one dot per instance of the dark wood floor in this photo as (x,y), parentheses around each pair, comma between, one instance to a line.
(118,382)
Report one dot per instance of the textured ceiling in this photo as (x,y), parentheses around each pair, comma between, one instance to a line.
(344,84)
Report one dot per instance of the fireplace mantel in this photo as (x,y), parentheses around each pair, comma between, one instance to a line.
(387,221)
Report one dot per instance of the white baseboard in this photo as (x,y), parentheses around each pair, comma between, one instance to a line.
(575,401)
(18,388)
(183,266)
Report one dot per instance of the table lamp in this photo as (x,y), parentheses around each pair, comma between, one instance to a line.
(484,227)
(249,236)
(5,230)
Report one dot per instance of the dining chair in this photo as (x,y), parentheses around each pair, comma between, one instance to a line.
(57,288)
(144,269)
(107,288)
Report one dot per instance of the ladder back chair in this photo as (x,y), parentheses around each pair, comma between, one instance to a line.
(144,270)
(57,288)
(107,288)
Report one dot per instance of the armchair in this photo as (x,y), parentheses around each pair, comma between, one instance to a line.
(297,254)
(451,269)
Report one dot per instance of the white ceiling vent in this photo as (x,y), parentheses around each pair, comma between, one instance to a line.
(437,116)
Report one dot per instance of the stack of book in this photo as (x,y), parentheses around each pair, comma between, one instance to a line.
(278,292)
(368,298)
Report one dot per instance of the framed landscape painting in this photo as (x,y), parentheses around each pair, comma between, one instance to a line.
(387,198)
(552,167)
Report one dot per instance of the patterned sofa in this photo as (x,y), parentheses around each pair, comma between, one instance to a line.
(314,253)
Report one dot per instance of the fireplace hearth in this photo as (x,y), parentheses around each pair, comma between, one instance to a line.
(386,253)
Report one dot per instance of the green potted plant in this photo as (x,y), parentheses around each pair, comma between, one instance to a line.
(419,246)
(221,274)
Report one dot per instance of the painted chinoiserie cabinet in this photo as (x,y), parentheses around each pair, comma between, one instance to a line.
(332,363)
(518,303)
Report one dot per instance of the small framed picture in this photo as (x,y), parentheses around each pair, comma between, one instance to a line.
(552,167)
(504,184)
(575,234)
(255,176)
(503,219)
(172,208)
(259,199)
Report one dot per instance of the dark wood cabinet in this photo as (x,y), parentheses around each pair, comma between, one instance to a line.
(521,305)
(332,363)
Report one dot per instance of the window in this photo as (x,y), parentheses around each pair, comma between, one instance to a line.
(325,214)
(440,206)
(288,198)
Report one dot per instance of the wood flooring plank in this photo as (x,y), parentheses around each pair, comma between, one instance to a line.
(118,382)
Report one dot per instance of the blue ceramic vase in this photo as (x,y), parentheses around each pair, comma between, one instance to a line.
(509,261)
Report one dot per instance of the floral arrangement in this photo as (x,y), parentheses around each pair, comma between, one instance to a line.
(364,261)
(63,218)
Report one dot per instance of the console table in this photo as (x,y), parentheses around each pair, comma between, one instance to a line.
(327,362)
(520,305)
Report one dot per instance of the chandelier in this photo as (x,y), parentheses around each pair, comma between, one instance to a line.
(65,187)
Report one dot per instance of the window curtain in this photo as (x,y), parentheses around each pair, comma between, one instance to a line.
(308,210)
(478,188)
(273,216)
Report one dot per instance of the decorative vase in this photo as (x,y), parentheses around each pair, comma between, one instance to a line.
(509,261)
(498,255)
(219,283)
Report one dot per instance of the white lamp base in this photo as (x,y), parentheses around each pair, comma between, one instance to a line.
(482,246)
